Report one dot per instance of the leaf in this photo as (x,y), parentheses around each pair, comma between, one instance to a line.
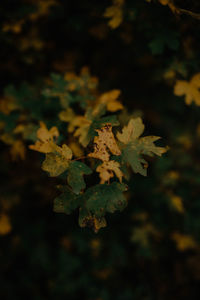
(83,131)
(57,162)
(141,235)
(162,39)
(5,225)
(132,131)
(28,132)
(184,242)
(46,139)
(104,198)
(104,140)
(59,88)
(66,202)
(134,147)
(88,123)
(189,89)
(75,174)
(106,171)
(177,203)
(110,100)
(76,149)
(115,13)
(67,115)
(87,220)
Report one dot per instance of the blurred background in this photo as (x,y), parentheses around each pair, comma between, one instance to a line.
(152,249)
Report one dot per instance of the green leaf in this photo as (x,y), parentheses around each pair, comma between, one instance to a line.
(163,39)
(55,164)
(104,198)
(133,147)
(66,202)
(75,176)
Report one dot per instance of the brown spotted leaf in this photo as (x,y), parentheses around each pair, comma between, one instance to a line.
(103,142)
(107,170)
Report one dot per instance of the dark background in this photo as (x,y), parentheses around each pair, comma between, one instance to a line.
(46,255)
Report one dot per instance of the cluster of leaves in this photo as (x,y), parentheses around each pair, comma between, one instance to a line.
(110,158)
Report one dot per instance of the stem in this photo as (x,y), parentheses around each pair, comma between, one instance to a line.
(79,158)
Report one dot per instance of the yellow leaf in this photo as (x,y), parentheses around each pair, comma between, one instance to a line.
(184,242)
(132,131)
(106,170)
(43,8)
(7,105)
(46,139)
(83,125)
(67,115)
(57,161)
(5,226)
(82,131)
(76,149)
(177,203)
(64,151)
(7,138)
(110,100)
(104,140)
(115,13)
(13,27)
(189,89)
(81,122)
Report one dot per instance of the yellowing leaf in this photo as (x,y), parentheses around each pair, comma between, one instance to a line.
(106,170)
(7,138)
(110,100)
(115,13)
(135,146)
(76,149)
(100,151)
(104,140)
(43,7)
(7,105)
(142,234)
(46,139)
(82,131)
(93,222)
(58,161)
(184,242)
(13,27)
(177,203)
(67,115)
(5,226)
(82,122)
(132,131)
(189,89)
